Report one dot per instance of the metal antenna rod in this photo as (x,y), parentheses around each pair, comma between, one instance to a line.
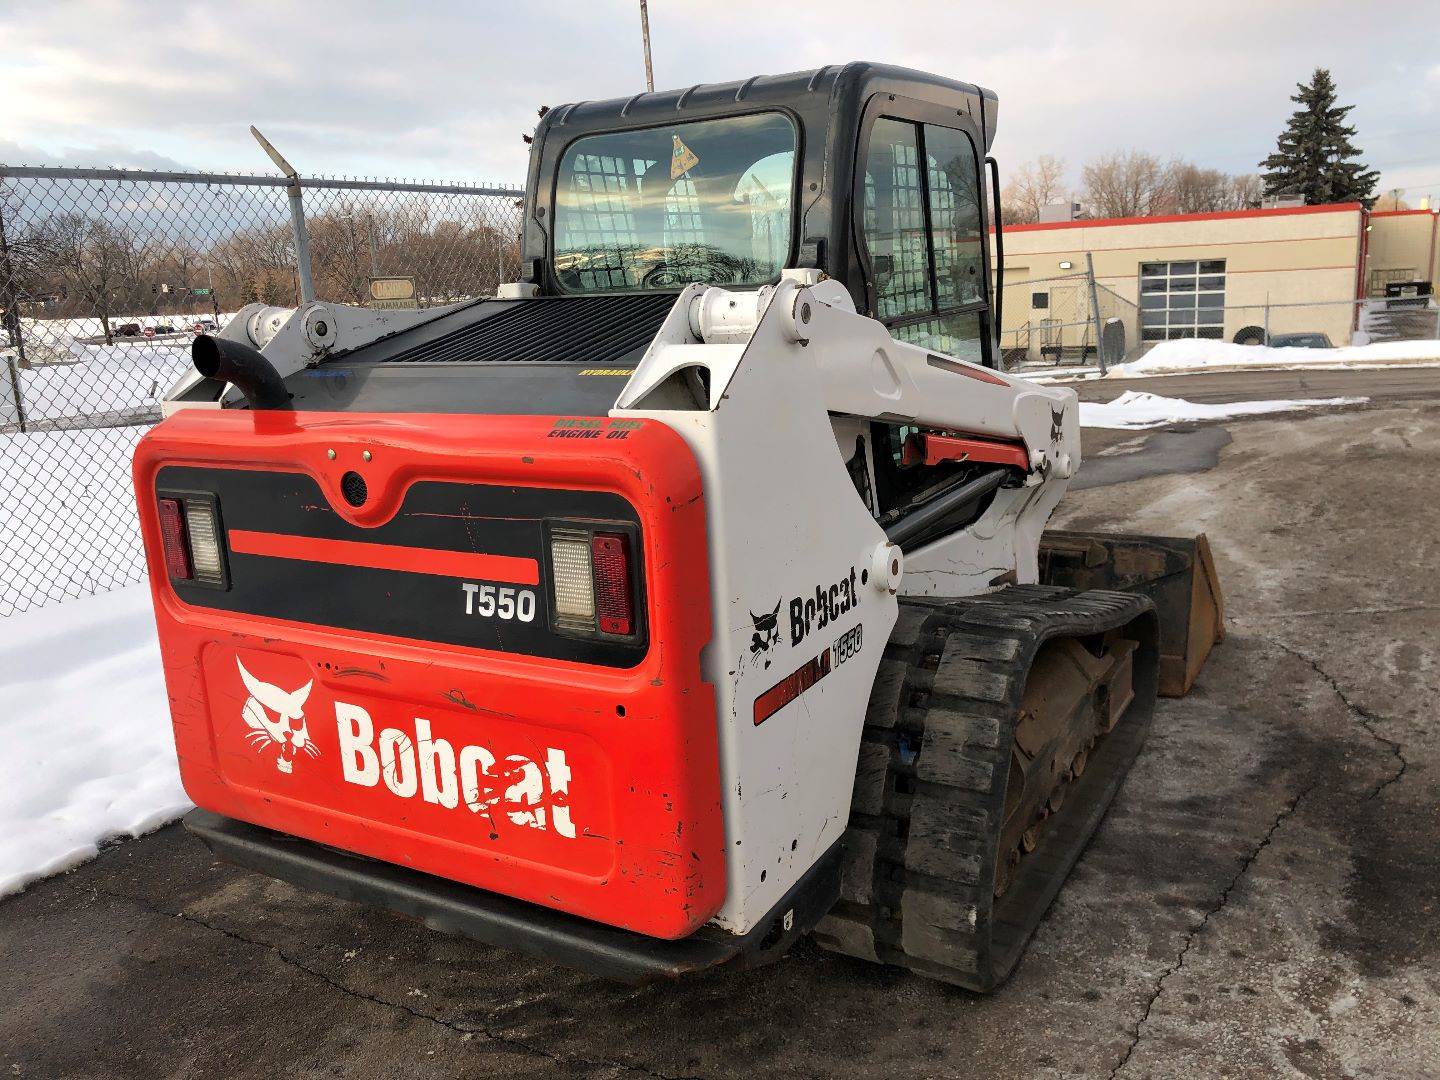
(645,33)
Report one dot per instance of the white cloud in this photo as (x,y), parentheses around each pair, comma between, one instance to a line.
(446,88)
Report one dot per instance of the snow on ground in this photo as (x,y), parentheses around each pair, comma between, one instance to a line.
(86,729)
(67,511)
(1188,356)
(1136,409)
(102,380)
(72,377)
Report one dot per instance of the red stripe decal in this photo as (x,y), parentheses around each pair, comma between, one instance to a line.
(460,564)
(791,687)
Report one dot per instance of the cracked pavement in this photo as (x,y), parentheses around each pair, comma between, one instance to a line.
(1262,899)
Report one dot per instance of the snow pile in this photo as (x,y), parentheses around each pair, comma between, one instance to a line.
(1135,409)
(86,728)
(1193,354)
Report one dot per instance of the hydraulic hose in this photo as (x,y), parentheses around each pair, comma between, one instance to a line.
(246,368)
(922,520)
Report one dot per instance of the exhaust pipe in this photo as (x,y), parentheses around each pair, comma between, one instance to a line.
(250,372)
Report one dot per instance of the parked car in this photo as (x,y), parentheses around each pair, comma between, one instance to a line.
(1300,341)
(129,329)
(164,328)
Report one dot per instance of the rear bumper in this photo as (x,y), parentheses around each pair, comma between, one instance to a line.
(452,908)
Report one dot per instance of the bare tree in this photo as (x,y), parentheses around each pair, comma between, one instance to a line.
(90,258)
(1130,184)
(1194,190)
(1246,191)
(1392,200)
(1034,185)
(257,266)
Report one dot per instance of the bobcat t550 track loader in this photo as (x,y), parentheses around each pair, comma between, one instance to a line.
(691,594)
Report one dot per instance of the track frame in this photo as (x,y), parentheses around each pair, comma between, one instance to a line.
(918,879)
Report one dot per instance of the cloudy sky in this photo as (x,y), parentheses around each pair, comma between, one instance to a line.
(444,90)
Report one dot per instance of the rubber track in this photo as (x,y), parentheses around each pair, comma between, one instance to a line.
(918,887)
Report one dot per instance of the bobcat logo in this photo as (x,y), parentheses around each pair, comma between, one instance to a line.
(767,633)
(286,730)
(1057,424)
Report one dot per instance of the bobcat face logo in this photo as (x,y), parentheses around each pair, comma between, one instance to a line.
(1057,424)
(767,633)
(276,718)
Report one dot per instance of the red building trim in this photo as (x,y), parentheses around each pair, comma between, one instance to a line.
(1224,215)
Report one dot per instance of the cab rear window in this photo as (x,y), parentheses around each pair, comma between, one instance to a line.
(709,201)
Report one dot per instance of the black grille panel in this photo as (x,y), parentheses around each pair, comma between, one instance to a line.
(573,329)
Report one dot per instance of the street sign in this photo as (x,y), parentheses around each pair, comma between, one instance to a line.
(393,293)
(201,292)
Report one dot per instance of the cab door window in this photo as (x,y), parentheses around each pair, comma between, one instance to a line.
(923,231)
(895,221)
(955,215)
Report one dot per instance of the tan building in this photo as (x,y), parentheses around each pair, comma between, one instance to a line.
(1221,276)
(1403,245)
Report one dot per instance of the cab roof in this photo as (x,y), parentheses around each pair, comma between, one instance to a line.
(803,91)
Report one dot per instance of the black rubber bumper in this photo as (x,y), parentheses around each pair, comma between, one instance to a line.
(453,908)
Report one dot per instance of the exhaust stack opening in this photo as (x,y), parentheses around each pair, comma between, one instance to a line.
(246,368)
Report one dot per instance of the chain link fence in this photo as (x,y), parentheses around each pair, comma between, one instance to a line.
(1066,320)
(1326,323)
(105,278)
(1071,321)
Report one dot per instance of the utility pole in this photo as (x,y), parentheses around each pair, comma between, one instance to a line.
(374,250)
(210,278)
(1094,314)
(645,33)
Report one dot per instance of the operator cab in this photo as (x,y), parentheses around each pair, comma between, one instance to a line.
(630,200)
(728,184)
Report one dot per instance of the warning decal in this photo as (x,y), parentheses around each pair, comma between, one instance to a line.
(682,160)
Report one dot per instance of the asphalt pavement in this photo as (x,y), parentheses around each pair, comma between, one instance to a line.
(1262,899)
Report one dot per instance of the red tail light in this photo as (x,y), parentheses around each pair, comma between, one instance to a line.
(176,543)
(610,557)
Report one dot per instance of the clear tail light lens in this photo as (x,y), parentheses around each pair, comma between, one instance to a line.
(204,532)
(574,587)
(172,535)
(613,606)
(191,536)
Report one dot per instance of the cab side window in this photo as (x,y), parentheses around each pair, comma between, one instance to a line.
(923,230)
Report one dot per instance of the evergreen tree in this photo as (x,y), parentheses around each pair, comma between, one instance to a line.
(1314,158)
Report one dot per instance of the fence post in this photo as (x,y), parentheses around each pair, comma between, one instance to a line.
(302,239)
(14,330)
(297,216)
(1095,310)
